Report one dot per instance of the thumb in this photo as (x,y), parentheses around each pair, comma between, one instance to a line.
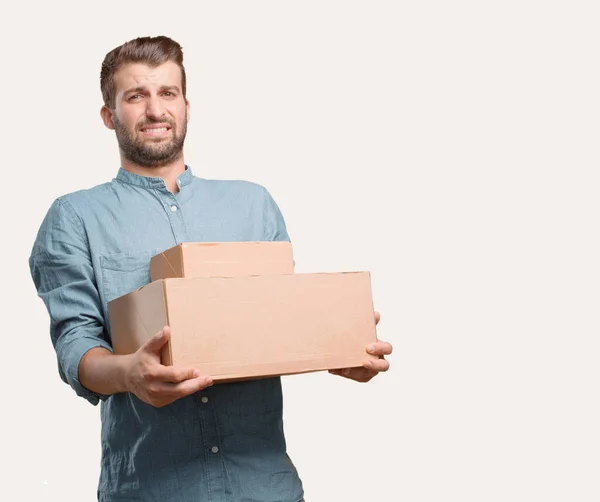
(377,317)
(158,341)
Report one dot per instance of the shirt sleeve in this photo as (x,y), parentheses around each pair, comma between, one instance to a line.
(274,223)
(61,268)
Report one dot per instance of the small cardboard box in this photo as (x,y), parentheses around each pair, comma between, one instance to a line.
(223,259)
(255,326)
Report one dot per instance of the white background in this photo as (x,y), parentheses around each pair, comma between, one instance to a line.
(450,148)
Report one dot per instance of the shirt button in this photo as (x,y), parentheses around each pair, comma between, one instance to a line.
(214,449)
(204,399)
(173,208)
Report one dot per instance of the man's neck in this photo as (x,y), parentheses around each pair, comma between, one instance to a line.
(168,173)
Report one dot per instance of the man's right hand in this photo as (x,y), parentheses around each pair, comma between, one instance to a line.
(156,384)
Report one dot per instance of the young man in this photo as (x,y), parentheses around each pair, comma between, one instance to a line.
(167,434)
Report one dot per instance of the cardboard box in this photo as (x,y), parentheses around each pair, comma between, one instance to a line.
(223,259)
(254,326)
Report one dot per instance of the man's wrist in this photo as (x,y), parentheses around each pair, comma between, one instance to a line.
(103,372)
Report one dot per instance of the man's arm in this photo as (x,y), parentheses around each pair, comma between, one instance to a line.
(103,372)
(141,373)
(61,268)
(63,274)
(273,221)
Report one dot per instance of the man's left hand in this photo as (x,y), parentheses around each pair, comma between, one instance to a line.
(372,367)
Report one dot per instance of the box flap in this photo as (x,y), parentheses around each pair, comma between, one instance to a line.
(167,264)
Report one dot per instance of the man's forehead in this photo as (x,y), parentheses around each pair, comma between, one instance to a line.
(143,75)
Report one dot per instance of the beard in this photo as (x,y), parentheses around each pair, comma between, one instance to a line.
(151,152)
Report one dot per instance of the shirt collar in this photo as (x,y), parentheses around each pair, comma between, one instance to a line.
(124,176)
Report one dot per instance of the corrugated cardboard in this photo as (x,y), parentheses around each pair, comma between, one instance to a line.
(255,326)
(223,259)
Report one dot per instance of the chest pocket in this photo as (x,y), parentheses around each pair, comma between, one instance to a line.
(125,272)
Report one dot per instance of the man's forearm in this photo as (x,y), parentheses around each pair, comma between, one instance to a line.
(103,372)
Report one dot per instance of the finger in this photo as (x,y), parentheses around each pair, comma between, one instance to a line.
(161,391)
(377,317)
(176,375)
(380,348)
(377,365)
(170,374)
(157,342)
(188,387)
(162,394)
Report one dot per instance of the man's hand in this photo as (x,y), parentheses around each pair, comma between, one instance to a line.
(155,383)
(371,367)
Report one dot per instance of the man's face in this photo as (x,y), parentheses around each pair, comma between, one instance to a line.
(150,115)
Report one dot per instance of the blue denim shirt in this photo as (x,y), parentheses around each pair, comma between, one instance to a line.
(225,443)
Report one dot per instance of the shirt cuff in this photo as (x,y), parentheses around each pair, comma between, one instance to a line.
(69,357)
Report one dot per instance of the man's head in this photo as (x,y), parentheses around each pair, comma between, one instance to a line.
(143,86)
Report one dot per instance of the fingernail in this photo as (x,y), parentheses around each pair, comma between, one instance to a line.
(195,374)
(371,348)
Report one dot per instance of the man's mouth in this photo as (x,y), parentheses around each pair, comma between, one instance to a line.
(156,130)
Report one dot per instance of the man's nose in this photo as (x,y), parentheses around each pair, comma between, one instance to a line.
(155,108)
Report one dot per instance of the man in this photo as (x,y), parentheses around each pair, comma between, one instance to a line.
(167,434)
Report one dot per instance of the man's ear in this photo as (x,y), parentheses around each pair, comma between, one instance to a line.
(187,109)
(106,114)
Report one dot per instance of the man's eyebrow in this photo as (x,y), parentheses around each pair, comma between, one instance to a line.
(144,89)
(135,89)
(169,88)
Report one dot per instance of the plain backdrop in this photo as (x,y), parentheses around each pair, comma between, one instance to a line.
(449,148)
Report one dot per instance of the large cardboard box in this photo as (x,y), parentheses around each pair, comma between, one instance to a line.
(253,326)
(223,259)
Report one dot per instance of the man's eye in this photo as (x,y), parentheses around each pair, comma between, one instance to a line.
(169,94)
(134,97)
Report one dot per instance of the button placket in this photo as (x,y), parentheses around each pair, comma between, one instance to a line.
(175,214)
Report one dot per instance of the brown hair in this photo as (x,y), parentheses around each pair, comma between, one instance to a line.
(152,51)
